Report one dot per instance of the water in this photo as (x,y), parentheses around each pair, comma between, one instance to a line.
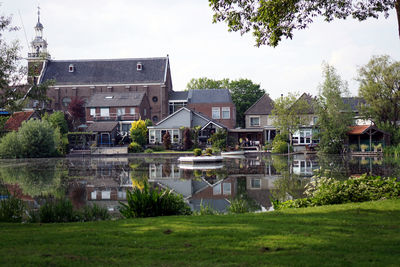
(104,181)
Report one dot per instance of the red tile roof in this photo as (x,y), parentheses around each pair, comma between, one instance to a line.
(16,119)
(358,129)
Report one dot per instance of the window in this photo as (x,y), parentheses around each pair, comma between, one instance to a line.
(126,127)
(176,105)
(255,183)
(71,68)
(226,112)
(217,189)
(315,119)
(155,118)
(152,135)
(120,111)
(254,121)
(109,96)
(66,101)
(227,188)
(155,99)
(93,195)
(104,112)
(144,112)
(93,112)
(105,194)
(139,66)
(133,111)
(216,113)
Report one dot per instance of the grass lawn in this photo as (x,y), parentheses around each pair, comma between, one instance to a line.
(364,234)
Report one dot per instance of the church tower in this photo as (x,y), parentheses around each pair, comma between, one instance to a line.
(38,55)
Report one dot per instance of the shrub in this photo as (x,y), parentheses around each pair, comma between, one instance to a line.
(197,152)
(94,213)
(327,191)
(10,147)
(239,205)
(158,148)
(279,147)
(364,147)
(60,210)
(135,148)
(353,147)
(150,202)
(167,140)
(218,139)
(149,150)
(57,120)
(138,132)
(187,139)
(209,151)
(11,209)
(206,209)
(268,147)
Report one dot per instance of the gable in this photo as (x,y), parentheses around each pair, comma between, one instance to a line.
(181,118)
(263,106)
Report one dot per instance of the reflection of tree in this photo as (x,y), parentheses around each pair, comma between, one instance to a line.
(139,173)
(334,166)
(34,178)
(241,183)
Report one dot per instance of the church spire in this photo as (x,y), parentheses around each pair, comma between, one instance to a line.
(38,45)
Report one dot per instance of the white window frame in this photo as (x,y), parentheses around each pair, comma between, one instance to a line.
(227,188)
(217,189)
(253,184)
(133,111)
(216,112)
(254,117)
(226,110)
(104,112)
(93,112)
(120,111)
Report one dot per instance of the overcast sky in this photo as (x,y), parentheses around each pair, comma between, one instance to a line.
(183,29)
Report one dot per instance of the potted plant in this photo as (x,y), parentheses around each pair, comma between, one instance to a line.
(364,147)
(378,148)
(353,147)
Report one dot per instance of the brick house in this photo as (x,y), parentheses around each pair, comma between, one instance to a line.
(17,118)
(122,107)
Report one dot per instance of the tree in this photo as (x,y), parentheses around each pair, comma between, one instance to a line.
(206,83)
(77,110)
(57,120)
(167,140)
(380,87)
(273,19)
(218,139)
(290,113)
(187,139)
(244,92)
(334,117)
(138,132)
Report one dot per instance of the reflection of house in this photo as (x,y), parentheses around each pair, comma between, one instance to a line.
(122,107)
(184,117)
(17,118)
(213,103)
(304,166)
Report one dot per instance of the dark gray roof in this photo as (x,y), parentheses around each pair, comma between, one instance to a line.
(263,106)
(311,102)
(178,95)
(131,99)
(353,102)
(209,96)
(102,126)
(106,71)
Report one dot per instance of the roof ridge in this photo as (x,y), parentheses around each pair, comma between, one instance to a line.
(106,59)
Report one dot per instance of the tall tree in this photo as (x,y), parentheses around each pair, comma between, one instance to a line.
(334,117)
(244,92)
(380,87)
(270,20)
(290,113)
(206,83)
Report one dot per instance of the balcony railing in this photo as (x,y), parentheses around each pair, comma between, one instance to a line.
(116,117)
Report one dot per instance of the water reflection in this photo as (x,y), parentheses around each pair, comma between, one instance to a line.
(104,181)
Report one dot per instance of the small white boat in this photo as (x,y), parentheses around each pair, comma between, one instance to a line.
(200,159)
(233,153)
(203,167)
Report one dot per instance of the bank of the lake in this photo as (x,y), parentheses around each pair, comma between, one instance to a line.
(359,234)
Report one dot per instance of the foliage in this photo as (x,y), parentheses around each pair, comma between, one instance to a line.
(196,131)
(379,87)
(353,147)
(148,150)
(158,148)
(327,191)
(272,20)
(150,202)
(77,110)
(3,120)
(206,209)
(239,205)
(218,139)
(364,147)
(167,140)
(206,83)
(197,152)
(279,144)
(267,147)
(35,139)
(57,120)
(11,208)
(334,117)
(94,213)
(187,139)
(209,151)
(290,113)
(138,132)
(135,148)
(244,93)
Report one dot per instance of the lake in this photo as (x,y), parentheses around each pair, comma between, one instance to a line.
(104,180)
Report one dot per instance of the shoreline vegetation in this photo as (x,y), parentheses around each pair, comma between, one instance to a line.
(349,234)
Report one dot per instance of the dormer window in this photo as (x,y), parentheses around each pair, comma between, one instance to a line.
(109,97)
(71,68)
(139,66)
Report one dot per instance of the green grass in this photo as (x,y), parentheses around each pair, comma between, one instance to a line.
(362,234)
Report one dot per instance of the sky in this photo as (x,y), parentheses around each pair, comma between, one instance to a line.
(183,29)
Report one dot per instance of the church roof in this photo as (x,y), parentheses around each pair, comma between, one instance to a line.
(106,71)
(209,96)
(112,99)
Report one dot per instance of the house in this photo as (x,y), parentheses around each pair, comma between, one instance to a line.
(124,108)
(214,103)
(84,78)
(106,132)
(368,135)
(183,118)
(17,118)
